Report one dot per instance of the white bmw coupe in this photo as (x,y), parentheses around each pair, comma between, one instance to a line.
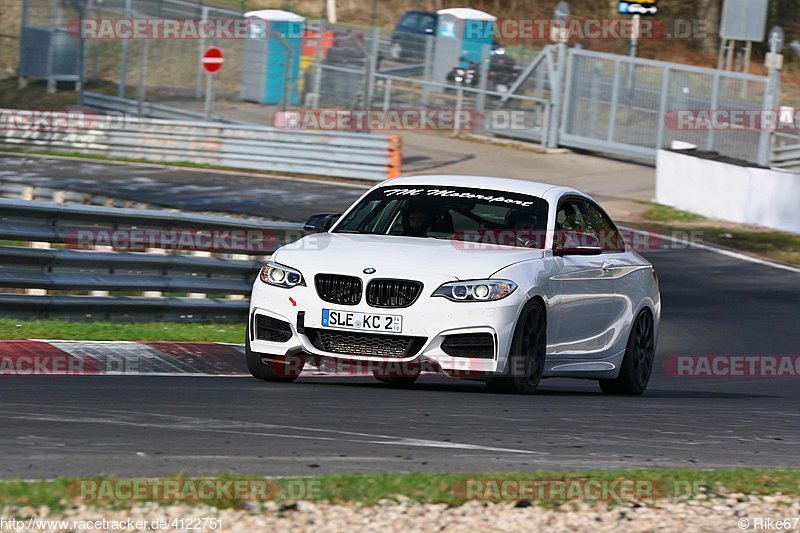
(493,279)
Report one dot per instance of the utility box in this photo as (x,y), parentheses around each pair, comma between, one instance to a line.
(271,57)
(461,32)
(48,53)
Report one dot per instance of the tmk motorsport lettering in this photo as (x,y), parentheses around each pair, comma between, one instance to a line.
(456,194)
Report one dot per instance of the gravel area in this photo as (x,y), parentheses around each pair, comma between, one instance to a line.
(702,514)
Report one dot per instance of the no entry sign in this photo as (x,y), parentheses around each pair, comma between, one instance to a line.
(212,59)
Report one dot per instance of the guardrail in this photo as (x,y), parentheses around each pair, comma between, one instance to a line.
(115,104)
(209,282)
(786,151)
(327,153)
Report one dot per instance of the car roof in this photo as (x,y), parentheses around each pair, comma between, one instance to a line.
(532,188)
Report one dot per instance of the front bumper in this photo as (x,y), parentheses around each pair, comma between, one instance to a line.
(428,319)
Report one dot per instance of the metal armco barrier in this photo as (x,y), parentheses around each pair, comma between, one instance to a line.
(325,153)
(115,104)
(42,281)
(786,151)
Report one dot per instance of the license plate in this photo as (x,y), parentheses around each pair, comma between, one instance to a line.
(500,88)
(362,321)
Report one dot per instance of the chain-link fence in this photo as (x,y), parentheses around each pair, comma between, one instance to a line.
(555,95)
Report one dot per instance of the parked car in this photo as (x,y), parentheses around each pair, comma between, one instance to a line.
(411,33)
(493,279)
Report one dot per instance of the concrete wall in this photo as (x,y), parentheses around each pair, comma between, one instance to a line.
(720,190)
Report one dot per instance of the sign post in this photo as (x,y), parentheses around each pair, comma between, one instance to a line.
(212,61)
(558,32)
(637,9)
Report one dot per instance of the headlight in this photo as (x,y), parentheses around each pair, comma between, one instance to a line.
(482,290)
(280,275)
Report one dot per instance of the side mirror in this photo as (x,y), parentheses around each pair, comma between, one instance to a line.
(321,222)
(577,243)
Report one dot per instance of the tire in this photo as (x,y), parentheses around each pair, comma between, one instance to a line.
(272,371)
(527,355)
(637,364)
(407,378)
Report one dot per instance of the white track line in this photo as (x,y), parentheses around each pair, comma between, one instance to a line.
(717,250)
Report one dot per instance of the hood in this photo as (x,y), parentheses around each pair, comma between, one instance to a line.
(395,256)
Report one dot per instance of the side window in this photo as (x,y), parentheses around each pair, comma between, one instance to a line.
(427,23)
(408,22)
(570,216)
(604,229)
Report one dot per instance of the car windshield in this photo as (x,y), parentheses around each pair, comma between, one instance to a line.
(454,213)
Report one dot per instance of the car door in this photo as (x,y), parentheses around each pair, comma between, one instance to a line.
(586,293)
(617,264)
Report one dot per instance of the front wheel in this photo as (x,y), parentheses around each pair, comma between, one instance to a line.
(284,371)
(528,352)
(637,364)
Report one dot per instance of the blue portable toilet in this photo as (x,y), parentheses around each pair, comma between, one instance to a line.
(265,58)
(460,32)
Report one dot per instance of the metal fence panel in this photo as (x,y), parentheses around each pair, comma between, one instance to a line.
(626,105)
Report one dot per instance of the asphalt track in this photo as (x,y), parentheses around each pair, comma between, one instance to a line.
(185,189)
(712,305)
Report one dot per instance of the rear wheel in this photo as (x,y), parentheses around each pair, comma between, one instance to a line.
(286,370)
(637,365)
(528,352)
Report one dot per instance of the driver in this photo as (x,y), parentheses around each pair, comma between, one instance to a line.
(524,226)
(417,220)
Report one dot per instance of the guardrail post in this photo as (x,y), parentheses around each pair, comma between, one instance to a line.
(155,294)
(199,253)
(238,257)
(101,248)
